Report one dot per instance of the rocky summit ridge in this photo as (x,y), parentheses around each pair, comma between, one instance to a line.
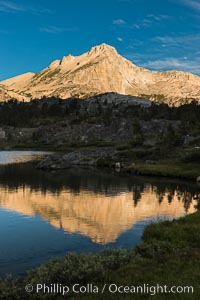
(101,70)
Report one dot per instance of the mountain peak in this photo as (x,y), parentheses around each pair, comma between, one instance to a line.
(103,70)
(102,48)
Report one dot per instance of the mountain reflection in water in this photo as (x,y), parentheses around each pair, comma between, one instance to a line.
(45,214)
(97,205)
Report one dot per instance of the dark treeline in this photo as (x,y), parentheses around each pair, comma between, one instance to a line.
(22,114)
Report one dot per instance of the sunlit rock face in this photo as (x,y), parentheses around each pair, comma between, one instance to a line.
(18,81)
(102,70)
(101,217)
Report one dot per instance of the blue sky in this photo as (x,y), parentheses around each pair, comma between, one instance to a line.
(156,34)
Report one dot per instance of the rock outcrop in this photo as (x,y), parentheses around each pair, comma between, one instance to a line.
(79,158)
(102,70)
(18,82)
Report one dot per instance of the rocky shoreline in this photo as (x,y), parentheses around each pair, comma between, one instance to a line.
(100,157)
(113,160)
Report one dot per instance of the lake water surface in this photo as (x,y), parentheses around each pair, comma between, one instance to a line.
(48,214)
(10,157)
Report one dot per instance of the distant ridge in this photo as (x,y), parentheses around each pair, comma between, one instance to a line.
(102,70)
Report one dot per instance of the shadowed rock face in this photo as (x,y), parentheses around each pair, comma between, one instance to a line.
(101,217)
(102,70)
